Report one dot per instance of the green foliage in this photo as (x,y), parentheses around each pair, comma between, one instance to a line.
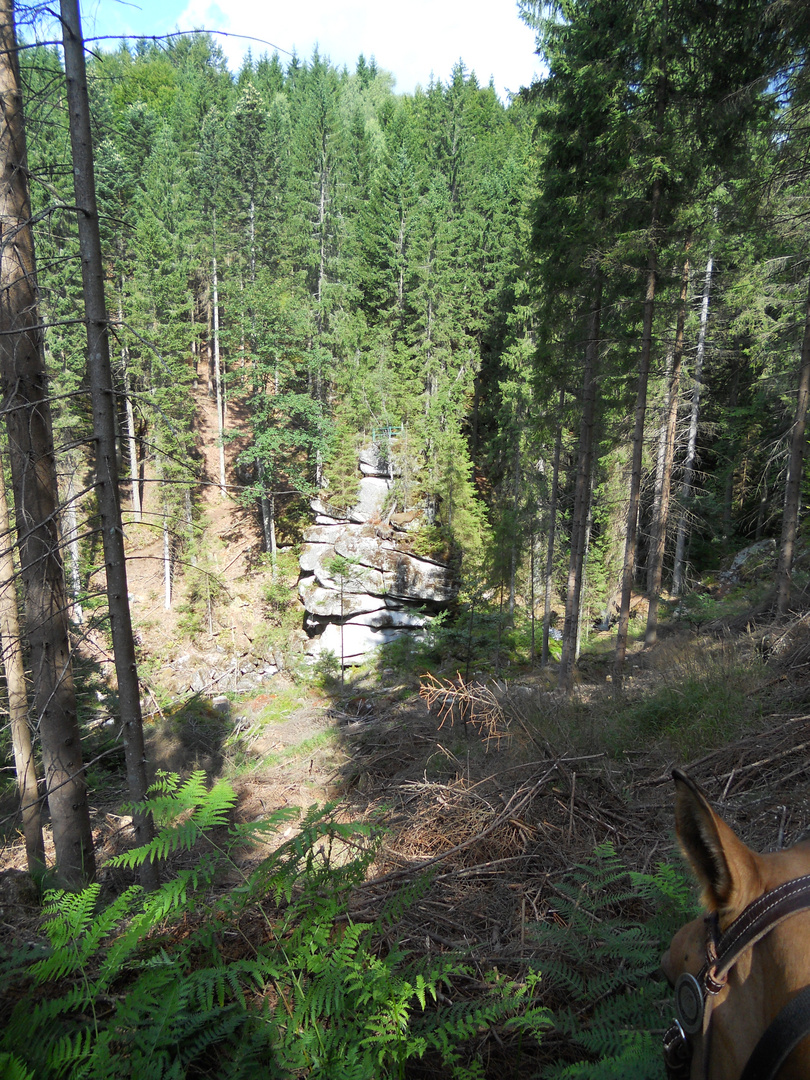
(600,954)
(11,1068)
(268,976)
(327,667)
(705,696)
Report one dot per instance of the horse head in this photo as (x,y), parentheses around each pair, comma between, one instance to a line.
(740,971)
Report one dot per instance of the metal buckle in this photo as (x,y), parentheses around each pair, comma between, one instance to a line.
(689,1003)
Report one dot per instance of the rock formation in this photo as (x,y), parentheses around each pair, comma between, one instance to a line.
(360,583)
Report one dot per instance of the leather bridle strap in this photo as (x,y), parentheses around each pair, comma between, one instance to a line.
(757,920)
(783,1035)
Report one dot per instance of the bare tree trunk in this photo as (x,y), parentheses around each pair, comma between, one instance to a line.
(638,445)
(587,543)
(691,449)
(167,563)
(798,444)
(11,644)
(132,443)
(31,457)
(552,532)
(533,652)
(728,491)
(582,494)
(664,477)
(514,545)
(217,367)
(71,539)
(104,426)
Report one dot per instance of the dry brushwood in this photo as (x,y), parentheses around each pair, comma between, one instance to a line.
(473,702)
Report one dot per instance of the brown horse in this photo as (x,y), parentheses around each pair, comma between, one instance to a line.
(741,973)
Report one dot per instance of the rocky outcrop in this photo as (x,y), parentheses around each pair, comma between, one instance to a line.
(379,591)
(360,583)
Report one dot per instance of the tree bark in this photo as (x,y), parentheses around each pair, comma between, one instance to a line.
(11,644)
(514,538)
(691,449)
(798,447)
(582,494)
(638,444)
(132,442)
(104,425)
(217,363)
(664,480)
(31,458)
(71,538)
(167,562)
(552,533)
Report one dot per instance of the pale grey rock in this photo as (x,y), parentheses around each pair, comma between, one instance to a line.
(394,571)
(372,498)
(386,619)
(324,533)
(382,593)
(356,579)
(747,562)
(322,601)
(374,462)
(358,641)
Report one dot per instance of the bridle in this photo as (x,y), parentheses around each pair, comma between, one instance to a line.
(692,994)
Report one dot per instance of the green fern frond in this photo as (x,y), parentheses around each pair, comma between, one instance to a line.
(600,960)
(11,1068)
(319,998)
(69,1053)
(206,810)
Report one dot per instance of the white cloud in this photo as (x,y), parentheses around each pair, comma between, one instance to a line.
(412,40)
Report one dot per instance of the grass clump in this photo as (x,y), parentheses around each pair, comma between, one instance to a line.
(703,700)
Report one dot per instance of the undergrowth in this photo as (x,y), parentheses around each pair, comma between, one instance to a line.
(600,949)
(705,696)
(255,974)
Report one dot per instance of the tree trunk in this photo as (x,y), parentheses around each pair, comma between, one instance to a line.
(691,449)
(104,426)
(217,367)
(638,443)
(71,539)
(513,551)
(11,644)
(586,550)
(582,493)
(658,540)
(552,532)
(31,457)
(728,491)
(132,442)
(798,443)
(533,652)
(167,563)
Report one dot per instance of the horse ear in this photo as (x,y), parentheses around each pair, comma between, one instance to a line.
(724,866)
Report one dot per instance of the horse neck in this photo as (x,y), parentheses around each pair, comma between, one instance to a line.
(760,984)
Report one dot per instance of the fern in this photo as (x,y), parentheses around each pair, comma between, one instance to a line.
(599,962)
(11,1068)
(121,995)
(179,829)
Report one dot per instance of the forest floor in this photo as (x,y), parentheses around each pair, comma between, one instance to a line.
(500,809)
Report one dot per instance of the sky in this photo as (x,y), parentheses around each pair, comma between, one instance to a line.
(414,39)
